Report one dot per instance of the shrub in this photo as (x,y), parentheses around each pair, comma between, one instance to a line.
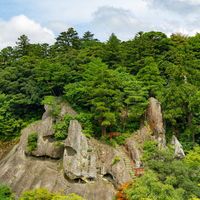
(150,187)
(32,141)
(86,121)
(61,128)
(54,103)
(116,160)
(5,193)
(44,194)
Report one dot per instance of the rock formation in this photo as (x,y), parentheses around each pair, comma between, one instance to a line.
(79,161)
(77,165)
(178,149)
(155,121)
(83,166)
(151,129)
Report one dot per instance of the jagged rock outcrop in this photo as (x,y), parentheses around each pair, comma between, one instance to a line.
(178,149)
(155,121)
(79,161)
(151,129)
(83,166)
(90,159)
(80,165)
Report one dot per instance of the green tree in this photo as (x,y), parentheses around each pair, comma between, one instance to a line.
(68,39)
(23,44)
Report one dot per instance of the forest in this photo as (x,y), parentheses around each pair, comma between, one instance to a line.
(109,84)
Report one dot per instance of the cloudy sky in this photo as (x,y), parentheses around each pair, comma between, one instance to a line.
(43,20)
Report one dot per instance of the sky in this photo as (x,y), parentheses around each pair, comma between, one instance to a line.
(43,20)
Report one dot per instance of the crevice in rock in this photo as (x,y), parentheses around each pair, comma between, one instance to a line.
(41,157)
(108,177)
(70,151)
(76,180)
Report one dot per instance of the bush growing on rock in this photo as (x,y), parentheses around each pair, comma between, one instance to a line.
(44,194)
(5,193)
(32,142)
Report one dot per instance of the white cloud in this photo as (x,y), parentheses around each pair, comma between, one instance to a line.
(18,25)
(102,17)
(193,2)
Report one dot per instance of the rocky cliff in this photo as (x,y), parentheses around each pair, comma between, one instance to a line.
(77,164)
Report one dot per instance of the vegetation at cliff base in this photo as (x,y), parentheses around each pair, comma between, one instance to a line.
(167,178)
(36,194)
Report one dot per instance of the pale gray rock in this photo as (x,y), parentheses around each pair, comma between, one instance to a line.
(151,130)
(89,168)
(134,151)
(78,161)
(23,172)
(178,148)
(67,109)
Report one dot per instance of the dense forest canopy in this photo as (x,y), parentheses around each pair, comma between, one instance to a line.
(108,82)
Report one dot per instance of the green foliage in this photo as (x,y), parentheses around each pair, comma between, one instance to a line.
(32,142)
(54,104)
(61,127)
(150,187)
(193,158)
(116,160)
(44,194)
(5,193)
(111,80)
(86,121)
(178,174)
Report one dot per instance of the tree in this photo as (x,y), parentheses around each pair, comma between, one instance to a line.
(68,39)
(23,45)
(112,51)
(149,187)
(6,193)
(151,78)
(88,36)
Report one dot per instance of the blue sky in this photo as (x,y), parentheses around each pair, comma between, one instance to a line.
(42,20)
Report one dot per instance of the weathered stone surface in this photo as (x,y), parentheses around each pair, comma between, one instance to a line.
(151,130)
(89,168)
(134,150)
(118,172)
(45,128)
(67,109)
(154,116)
(89,159)
(178,149)
(24,172)
(155,121)
(46,147)
(78,161)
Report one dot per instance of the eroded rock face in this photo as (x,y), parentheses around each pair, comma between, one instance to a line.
(83,166)
(91,160)
(78,160)
(152,130)
(87,167)
(178,149)
(155,121)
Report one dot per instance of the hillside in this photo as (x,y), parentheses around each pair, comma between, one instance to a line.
(88,115)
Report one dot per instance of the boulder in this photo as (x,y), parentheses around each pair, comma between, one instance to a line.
(178,149)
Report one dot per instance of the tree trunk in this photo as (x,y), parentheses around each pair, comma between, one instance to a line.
(103,131)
